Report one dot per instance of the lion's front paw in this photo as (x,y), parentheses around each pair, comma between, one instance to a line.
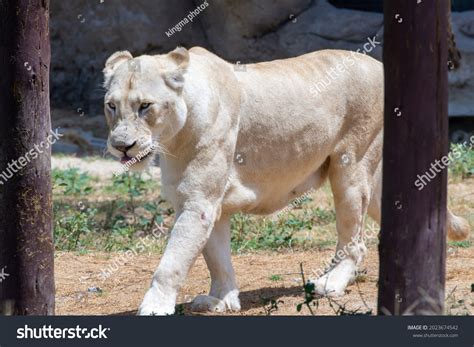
(203,303)
(334,282)
(155,304)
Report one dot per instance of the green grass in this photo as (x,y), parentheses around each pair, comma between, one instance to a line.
(110,218)
(292,230)
(460,244)
(71,181)
(275,278)
(116,214)
(462,164)
(131,184)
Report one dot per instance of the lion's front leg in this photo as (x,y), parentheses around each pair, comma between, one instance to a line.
(187,239)
(224,294)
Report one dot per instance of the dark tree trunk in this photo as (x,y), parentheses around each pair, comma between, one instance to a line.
(26,242)
(413,237)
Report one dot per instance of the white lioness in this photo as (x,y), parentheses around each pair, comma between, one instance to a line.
(249,141)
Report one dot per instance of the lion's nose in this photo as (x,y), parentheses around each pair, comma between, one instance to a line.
(123,147)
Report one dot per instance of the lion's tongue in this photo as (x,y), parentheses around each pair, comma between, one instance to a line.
(125,159)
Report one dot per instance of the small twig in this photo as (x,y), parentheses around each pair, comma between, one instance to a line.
(308,297)
(302,273)
(362,298)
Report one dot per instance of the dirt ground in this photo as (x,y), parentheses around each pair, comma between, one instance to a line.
(261,277)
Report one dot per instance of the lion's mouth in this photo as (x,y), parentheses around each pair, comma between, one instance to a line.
(125,159)
(132,160)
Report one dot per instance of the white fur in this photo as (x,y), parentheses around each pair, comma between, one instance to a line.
(250,141)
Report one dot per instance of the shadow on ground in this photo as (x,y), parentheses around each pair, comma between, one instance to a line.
(248,299)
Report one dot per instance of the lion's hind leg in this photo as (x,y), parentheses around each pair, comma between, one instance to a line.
(352,190)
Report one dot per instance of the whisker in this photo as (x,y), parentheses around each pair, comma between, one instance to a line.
(166,154)
(105,151)
(160,148)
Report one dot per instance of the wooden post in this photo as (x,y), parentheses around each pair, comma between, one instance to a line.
(26,242)
(413,236)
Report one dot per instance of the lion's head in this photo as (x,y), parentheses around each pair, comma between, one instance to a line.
(144,106)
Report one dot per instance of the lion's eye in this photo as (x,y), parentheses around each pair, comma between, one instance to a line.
(144,106)
(111,105)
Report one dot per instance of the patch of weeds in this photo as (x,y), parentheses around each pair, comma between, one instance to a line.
(296,224)
(309,295)
(130,184)
(73,228)
(115,222)
(155,215)
(323,216)
(251,233)
(71,181)
(460,244)
(120,236)
(275,278)
(83,251)
(286,232)
(179,310)
(304,200)
(463,161)
(312,300)
(133,186)
(270,305)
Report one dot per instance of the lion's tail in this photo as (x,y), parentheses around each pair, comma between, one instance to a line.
(458,227)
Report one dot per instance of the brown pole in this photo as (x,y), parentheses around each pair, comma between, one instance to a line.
(26,241)
(413,237)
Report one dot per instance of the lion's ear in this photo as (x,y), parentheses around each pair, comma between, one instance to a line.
(114,61)
(175,79)
(180,56)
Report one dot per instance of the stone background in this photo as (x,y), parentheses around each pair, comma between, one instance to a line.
(85,32)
